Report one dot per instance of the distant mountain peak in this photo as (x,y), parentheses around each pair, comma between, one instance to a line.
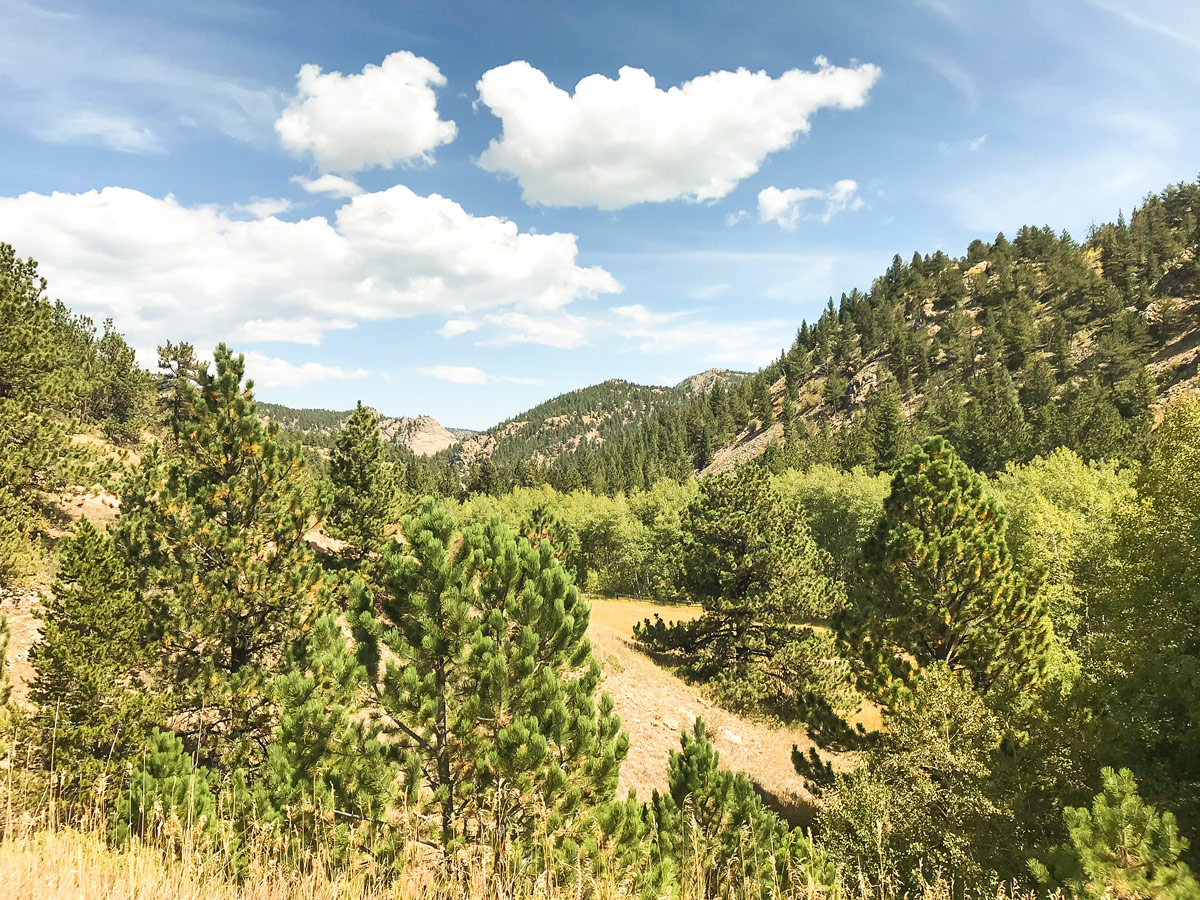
(704,382)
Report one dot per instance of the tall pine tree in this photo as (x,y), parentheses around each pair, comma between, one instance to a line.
(232,582)
(489,684)
(940,583)
(92,677)
(748,558)
(364,483)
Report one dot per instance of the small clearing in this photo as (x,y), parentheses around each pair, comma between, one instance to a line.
(655,705)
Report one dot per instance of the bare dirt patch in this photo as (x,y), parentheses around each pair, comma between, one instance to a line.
(655,705)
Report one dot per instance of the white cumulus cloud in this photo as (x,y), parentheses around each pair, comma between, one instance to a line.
(787,207)
(614,143)
(383,116)
(471,375)
(334,185)
(455,327)
(558,329)
(271,372)
(162,269)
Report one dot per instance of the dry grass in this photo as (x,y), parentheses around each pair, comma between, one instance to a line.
(75,865)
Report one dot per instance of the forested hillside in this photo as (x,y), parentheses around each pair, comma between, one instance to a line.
(1009,350)
(1014,348)
(520,450)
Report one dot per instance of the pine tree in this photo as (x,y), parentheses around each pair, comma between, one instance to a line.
(364,483)
(490,685)
(544,525)
(91,664)
(885,424)
(166,783)
(325,762)
(233,584)
(763,406)
(994,431)
(836,392)
(1120,848)
(120,393)
(712,823)
(940,583)
(40,388)
(748,558)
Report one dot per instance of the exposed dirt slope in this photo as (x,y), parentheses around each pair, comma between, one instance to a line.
(655,705)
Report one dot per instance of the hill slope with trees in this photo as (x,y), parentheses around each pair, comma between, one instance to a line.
(1010,350)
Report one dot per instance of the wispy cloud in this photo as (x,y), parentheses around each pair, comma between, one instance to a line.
(950,10)
(470,375)
(154,84)
(955,74)
(264,207)
(122,133)
(550,329)
(1140,21)
(271,372)
(721,343)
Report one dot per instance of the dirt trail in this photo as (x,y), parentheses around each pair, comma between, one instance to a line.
(655,705)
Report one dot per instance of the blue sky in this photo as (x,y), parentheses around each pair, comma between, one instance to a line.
(462,209)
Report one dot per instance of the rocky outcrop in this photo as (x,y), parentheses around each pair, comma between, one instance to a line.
(423,435)
(704,382)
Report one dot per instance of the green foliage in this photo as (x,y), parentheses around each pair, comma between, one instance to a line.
(940,584)
(1121,847)
(91,664)
(1064,518)
(166,794)
(748,558)
(1147,663)
(489,685)
(325,762)
(842,508)
(39,392)
(712,825)
(218,530)
(364,486)
(923,804)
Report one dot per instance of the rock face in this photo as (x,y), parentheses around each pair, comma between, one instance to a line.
(424,435)
(704,382)
(473,450)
